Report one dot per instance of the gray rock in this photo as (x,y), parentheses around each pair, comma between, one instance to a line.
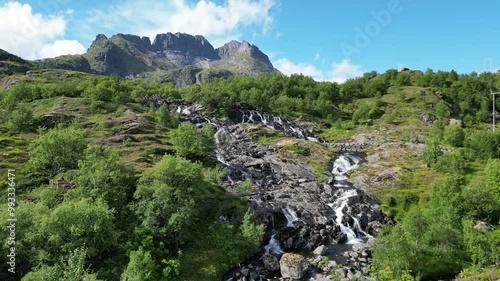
(483,226)
(320,251)
(271,262)
(293,266)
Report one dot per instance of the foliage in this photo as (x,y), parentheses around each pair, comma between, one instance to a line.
(165,118)
(483,144)
(71,268)
(101,175)
(141,267)
(20,120)
(432,152)
(452,162)
(454,135)
(192,143)
(245,186)
(427,242)
(56,150)
(167,197)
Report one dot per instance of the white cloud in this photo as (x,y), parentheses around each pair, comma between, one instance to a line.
(206,17)
(343,71)
(339,71)
(288,67)
(31,36)
(59,47)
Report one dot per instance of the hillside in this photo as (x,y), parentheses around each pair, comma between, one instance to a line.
(392,176)
(11,64)
(177,58)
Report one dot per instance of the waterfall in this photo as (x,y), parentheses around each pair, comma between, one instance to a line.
(338,206)
(290,215)
(218,152)
(273,247)
(344,164)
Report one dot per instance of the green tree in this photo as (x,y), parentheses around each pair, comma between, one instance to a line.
(76,224)
(454,135)
(167,199)
(251,233)
(20,120)
(69,268)
(393,254)
(101,175)
(403,79)
(452,162)
(56,150)
(192,143)
(166,118)
(432,152)
(483,144)
(141,267)
(482,249)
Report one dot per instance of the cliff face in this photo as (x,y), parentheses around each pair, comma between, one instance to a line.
(131,56)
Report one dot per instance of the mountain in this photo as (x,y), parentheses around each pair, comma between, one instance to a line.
(11,64)
(179,58)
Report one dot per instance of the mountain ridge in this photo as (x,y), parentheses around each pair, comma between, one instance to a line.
(132,56)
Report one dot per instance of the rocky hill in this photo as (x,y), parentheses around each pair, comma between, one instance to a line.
(11,64)
(179,58)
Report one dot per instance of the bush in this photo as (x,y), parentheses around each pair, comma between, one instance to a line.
(20,120)
(453,162)
(192,143)
(483,144)
(56,150)
(454,135)
(432,152)
(165,118)
(101,175)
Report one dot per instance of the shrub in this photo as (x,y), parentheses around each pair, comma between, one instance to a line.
(56,150)
(192,143)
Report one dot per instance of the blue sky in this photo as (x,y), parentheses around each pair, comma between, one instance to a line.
(326,39)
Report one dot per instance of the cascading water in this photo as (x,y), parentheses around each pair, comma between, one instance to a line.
(338,206)
(218,153)
(341,167)
(290,216)
(273,247)
(344,164)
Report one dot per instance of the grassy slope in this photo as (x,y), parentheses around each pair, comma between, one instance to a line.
(144,146)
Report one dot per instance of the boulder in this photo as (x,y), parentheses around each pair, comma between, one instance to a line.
(320,251)
(484,226)
(293,266)
(50,120)
(271,262)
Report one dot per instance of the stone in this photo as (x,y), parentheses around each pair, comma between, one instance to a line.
(320,251)
(293,266)
(271,262)
(52,119)
(62,184)
(483,226)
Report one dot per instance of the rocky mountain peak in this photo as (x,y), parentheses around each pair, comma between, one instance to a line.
(99,38)
(196,46)
(234,48)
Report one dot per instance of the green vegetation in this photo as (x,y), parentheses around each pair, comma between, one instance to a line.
(146,204)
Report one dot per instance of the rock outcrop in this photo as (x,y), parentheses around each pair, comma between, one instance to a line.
(293,266)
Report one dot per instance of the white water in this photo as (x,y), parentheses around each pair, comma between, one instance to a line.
(248,116)
(338,206)
(290,215)
(273,247)
(342,165)
(218,153)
